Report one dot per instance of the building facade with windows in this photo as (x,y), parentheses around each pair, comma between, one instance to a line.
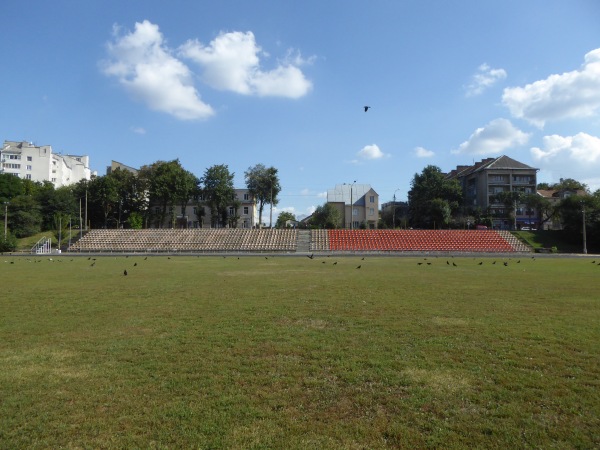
(358,205)
(485,181)
(39,163)
(196,214)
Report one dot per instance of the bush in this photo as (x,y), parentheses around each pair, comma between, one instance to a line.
(9,244)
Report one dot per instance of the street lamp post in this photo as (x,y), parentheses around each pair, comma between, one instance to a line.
(584,237)
(394,214)
(5,220)
(352,206)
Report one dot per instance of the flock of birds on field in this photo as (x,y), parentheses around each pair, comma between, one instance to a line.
(425,262)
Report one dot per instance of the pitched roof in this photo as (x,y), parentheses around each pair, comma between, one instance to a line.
(502,162)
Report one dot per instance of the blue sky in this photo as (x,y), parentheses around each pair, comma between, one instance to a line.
(283,83)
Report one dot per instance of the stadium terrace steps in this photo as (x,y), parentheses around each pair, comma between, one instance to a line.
(293,240)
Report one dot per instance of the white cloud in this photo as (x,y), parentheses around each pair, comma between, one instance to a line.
(493,139)
(581,148)
(421,152)
(231,62)
(322,194)
(571,94)
(485,78)
(371,152)
(146,68)
(575,157)
(138,130)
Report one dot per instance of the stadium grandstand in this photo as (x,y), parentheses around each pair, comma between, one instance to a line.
(296,241)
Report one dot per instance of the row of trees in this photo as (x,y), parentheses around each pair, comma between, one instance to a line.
(124,199)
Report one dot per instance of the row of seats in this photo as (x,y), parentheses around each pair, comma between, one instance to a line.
(236,239)
(199,239)
(419,240)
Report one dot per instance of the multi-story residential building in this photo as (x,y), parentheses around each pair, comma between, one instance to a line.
(357,203)
(40,163)
(484,181)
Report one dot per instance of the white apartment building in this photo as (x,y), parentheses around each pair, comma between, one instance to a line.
(39,163)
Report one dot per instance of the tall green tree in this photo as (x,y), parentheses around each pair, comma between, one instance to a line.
(263,184)
(430,197)
(169,185)
(326,216)
(10,187)
(283,217)
(218,192)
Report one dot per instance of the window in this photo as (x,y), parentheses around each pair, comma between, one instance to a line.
(29,158)
(372,199)
(195,210)
(28,176)
(12,166)
(246,209)
(371,211)
(183,210)
(156,210)
(355,211)
(16,157)
(28,167)
(246,196)
(231,211)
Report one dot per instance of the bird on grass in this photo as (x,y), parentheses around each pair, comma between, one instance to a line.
(322,262)
(367,108)
(505,263)
(447,262)
(480,263)
(428,263)
(134,264)
(519,262)
(494,262)
(335,263)
(594,262)
(145,258)
(125,272)
(454,264)
(311,256)
(359,267)
(418,264)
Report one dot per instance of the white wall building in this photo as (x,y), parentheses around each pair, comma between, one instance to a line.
(39,163)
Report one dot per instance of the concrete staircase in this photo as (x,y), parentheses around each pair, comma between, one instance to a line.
(516,243)
(303,243)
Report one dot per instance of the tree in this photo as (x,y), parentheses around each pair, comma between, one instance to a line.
(326,216)
(169,184)
(218,192)
(283,217)
(510,199)
(430,197)
(10,187)
(132,192)
(25,218)
(263,184)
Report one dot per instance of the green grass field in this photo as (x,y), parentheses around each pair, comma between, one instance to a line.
(288,352)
